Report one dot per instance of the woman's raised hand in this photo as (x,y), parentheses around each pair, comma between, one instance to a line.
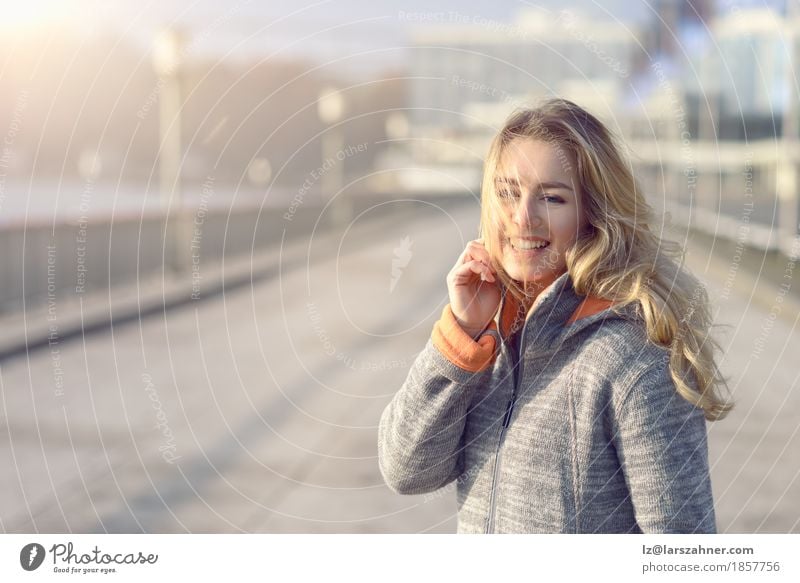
(473,289)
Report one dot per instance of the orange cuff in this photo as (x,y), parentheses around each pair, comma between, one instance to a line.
(459,348)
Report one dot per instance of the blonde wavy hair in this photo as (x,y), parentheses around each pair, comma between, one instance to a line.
(618,256)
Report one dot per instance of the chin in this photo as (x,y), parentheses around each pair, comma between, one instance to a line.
(534,276)
(530,273)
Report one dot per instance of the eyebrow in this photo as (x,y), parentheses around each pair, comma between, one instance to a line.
(541,186)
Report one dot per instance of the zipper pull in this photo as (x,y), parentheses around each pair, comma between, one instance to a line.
(509,408)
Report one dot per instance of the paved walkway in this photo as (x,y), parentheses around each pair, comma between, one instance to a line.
(255,410)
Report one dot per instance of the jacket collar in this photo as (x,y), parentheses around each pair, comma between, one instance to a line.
(548,318)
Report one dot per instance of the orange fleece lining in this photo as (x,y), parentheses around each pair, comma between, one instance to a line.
(475,356)
(459,347)
(590,305)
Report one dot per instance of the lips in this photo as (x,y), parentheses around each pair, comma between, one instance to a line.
(528,243)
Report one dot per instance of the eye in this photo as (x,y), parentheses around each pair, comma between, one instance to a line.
(553,198)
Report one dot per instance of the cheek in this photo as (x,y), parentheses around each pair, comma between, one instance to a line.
(566,231)
(503,225)
(501,236)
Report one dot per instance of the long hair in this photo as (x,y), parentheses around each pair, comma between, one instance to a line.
(618,257)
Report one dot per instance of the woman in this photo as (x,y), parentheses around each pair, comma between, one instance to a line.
(566,386)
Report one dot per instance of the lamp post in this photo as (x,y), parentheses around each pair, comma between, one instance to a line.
(167,54)
(395,127)
(330,108)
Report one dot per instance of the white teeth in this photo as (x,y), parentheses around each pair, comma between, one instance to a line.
(527,245)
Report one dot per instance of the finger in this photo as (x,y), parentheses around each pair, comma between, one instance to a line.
(469,270)
(476,250)
(464,257)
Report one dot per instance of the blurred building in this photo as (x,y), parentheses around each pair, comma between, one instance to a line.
(468,74)
(677,26)
(713,120)
(752,69)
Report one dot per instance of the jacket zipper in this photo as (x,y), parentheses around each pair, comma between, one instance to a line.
(506,421)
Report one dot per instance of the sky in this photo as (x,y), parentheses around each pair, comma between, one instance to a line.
(302,27)
(292,28)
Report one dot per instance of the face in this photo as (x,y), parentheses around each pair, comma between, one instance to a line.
(542,214)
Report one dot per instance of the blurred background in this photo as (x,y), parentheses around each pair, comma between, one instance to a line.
(225,230)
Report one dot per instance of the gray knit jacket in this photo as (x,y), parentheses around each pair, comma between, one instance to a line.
(585,433)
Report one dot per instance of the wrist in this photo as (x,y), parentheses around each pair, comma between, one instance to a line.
(471,354)
(471,331)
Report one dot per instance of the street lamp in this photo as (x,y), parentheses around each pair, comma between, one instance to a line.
(330,108)
(330,105)
(397,151)
(396,125)
(259,171)
(167,50)
(167,54)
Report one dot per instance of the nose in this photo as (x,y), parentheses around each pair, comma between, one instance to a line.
(526,214)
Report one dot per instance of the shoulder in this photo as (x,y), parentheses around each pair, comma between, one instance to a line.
(618,345)
(614,355)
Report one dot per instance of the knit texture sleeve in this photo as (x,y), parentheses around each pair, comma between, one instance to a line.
(420,446)
(662,447)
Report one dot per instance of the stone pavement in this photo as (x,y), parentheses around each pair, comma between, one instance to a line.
(255,410)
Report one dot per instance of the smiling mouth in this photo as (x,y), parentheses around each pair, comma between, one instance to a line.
(527,244)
